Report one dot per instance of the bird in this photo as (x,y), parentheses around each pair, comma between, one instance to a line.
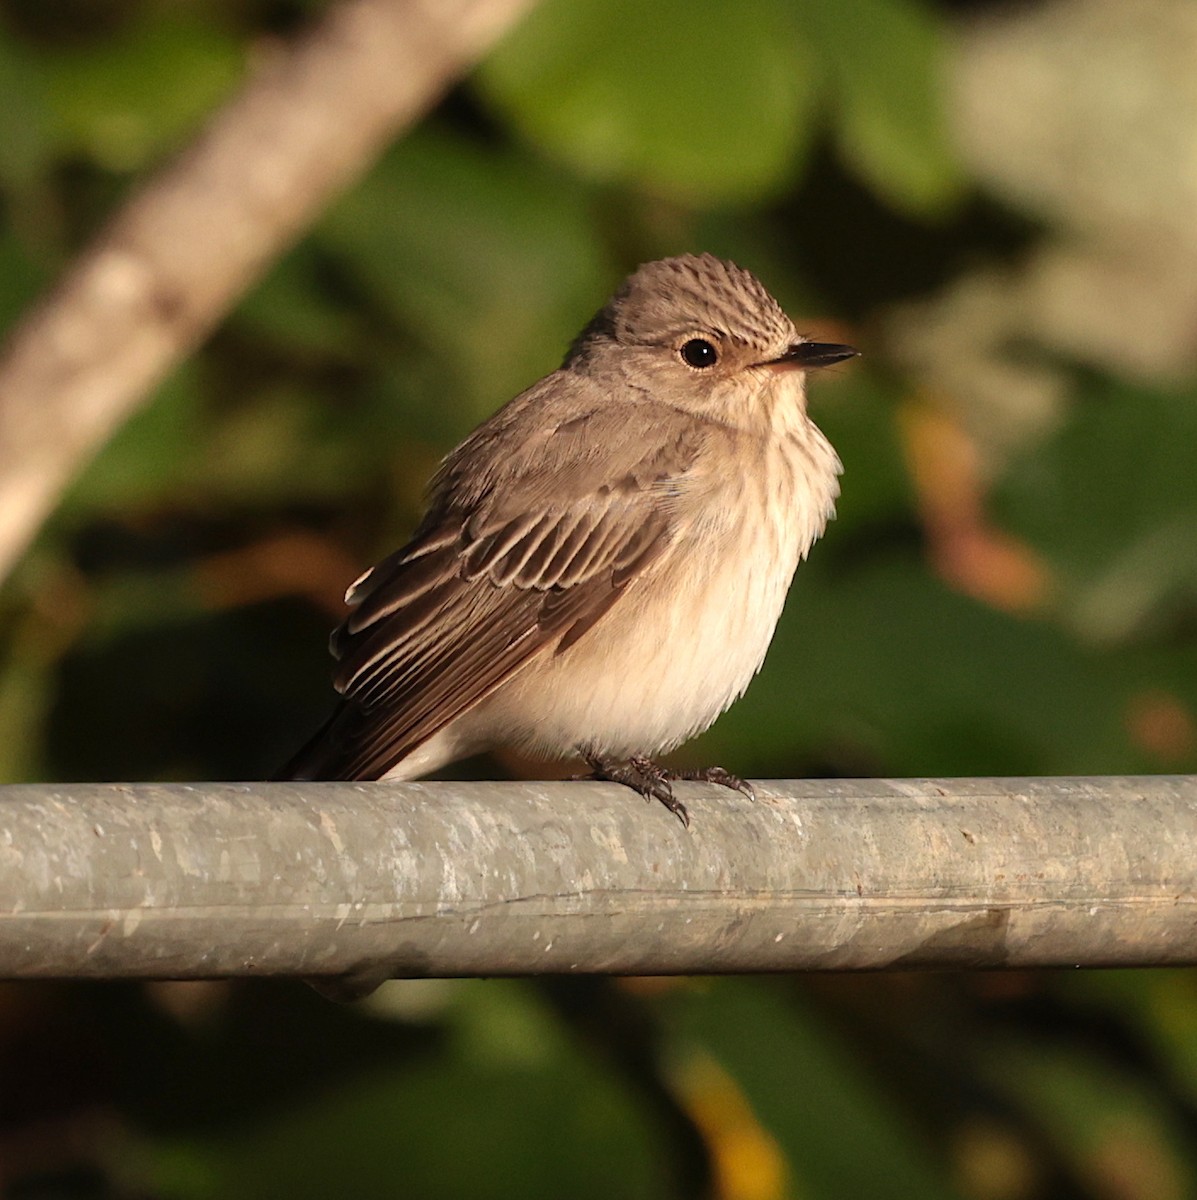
(601,563)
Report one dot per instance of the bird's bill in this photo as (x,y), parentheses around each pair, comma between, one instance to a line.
(813,354)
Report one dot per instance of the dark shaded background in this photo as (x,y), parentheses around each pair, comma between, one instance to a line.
(996,204)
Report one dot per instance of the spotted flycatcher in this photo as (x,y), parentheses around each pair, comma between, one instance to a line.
(603,562)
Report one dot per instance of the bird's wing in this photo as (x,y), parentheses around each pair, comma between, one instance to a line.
(496,576)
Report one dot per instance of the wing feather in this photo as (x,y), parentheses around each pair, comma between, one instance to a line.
(525,563)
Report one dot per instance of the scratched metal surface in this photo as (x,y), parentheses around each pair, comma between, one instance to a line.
(422,879)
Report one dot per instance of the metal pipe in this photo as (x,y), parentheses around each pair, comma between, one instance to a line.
(455,879)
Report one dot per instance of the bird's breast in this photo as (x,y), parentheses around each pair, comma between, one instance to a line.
(689,635)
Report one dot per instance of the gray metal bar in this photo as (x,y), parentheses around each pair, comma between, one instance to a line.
(420,879)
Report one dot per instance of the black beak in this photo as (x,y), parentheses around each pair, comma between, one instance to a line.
(815,354)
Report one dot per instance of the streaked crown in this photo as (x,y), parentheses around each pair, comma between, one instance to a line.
(675,296)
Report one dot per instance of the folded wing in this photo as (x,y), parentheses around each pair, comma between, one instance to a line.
(495,577)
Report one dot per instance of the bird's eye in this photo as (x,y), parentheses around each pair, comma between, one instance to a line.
(698,352)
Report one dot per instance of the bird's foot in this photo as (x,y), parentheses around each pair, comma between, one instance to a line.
(641,775)
(716,775)
(653,781)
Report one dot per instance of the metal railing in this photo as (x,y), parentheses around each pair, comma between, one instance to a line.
(455,879)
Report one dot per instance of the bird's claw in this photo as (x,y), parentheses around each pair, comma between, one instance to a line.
(642,775)
(717,775)
(652,781)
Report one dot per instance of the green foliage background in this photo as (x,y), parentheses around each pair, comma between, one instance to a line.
(1009,587)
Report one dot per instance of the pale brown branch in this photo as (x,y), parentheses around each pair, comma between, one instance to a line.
(188,243)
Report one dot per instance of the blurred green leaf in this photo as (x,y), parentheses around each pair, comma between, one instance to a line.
(702,100)
(841,1135)
(1159,1006)
(480,1126)
(124,100)
(494,263)
(884,664)
(886,62)
(146,454)
(1111,500)
(282,442)
(858,417)
(1121,1139)
(295,305)
(20,278)
(27,693)
(24,148)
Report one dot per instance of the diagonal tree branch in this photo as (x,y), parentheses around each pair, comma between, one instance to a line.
(192,239)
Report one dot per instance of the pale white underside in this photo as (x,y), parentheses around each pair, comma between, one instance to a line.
(686,639)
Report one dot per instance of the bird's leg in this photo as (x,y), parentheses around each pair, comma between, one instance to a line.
(641,775)
(716,775)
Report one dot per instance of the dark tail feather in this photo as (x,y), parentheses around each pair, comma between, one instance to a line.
(323,755)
